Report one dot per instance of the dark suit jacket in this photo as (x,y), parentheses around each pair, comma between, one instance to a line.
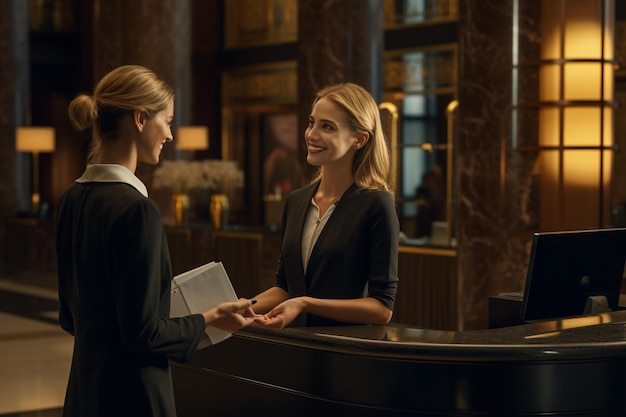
(355,256)
(114,288)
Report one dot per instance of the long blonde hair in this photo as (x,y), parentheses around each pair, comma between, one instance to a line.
(370,166)
(125,89)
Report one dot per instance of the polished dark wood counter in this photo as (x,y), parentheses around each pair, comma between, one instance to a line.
(563,367)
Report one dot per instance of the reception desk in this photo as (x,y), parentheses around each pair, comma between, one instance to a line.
(569,367)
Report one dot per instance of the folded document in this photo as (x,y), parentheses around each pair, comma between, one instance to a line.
(199,290)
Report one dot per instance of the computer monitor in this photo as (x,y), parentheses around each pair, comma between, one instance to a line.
(568,270)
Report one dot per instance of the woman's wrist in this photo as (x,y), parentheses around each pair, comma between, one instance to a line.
(209,317)
(303,302)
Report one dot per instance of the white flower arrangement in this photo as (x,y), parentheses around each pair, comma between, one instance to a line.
(213,175)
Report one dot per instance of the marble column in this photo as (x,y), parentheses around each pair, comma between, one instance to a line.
(158,37)
(14,96)
(339,41)
(497,188)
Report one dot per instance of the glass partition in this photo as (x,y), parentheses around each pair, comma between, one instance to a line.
(418,114)
(400,13)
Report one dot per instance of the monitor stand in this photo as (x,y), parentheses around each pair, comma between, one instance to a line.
(596,304)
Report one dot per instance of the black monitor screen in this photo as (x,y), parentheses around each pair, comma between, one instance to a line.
(566,268)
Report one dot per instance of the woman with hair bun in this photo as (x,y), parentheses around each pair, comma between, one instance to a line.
(114,268)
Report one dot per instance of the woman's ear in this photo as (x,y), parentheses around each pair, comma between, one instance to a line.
(139,119)
(361,140)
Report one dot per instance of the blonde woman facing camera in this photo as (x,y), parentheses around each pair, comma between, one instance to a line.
(339,250)
(113,262)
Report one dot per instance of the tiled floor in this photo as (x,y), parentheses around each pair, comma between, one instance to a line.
(35,353)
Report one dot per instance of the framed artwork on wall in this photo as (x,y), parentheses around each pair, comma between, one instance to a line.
(281,169)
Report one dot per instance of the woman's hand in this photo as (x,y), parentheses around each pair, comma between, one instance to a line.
(231,316)
(281,315)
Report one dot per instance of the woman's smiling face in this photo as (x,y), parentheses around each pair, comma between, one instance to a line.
(328,136)
(157,130)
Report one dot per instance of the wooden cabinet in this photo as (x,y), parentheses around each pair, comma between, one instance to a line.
(180,245)
(30,246)
(241,254)
(249,256)
(427,291)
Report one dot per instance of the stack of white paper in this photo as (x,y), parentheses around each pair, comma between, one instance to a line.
(199,290)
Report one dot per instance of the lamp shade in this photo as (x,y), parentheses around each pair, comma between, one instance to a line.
(34,139)
(192,138)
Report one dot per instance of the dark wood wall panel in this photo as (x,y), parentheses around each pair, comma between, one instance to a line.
(179,242)
(427,291)
(269,260)
(30,246)
(241,255)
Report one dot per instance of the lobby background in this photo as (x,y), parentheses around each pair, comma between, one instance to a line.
(186,42)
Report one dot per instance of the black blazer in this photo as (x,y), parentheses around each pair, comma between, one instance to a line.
(114,290)
(355,256)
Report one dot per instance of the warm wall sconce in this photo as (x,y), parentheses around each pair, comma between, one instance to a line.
(192,138)
(576,113)
(35,139)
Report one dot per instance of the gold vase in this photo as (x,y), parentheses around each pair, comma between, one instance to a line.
(219,209)
(180,209)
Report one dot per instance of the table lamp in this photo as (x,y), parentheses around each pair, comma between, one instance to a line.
(34,140)
(192,138)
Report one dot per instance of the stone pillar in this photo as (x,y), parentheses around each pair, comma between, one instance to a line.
(497,213)
(339,41)
(138,32)
(14,96)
